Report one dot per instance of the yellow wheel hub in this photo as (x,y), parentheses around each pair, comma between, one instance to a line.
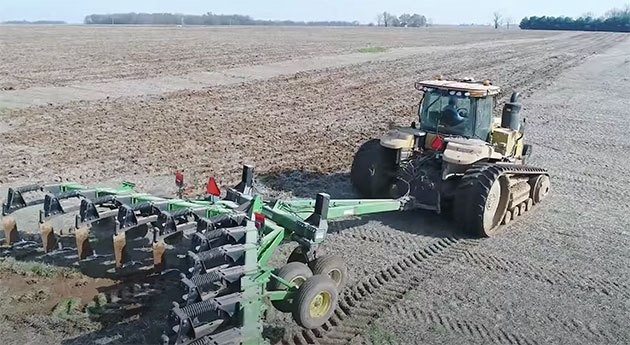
(320,305)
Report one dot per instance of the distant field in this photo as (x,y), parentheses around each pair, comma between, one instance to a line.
(59,55)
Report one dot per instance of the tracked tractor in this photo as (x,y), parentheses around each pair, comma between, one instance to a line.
(459,158)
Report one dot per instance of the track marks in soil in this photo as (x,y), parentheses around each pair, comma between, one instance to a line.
(549,276)
(364,302)
(463,300)
(464,327)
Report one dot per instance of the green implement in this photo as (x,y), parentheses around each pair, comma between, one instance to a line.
(220,246)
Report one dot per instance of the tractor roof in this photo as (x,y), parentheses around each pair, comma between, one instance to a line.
(476,89)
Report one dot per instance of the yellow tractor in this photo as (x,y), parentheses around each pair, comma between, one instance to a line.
(460,157)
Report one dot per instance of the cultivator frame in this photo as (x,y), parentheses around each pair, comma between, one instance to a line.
(225,273)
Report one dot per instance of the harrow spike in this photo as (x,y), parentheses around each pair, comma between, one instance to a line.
(83,242)
(159,259)
(49,238)
(11,234)
(120,243)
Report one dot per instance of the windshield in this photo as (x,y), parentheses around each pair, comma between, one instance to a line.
(453,113)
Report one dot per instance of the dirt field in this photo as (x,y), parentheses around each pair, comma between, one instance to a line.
(558,276)
(48,55)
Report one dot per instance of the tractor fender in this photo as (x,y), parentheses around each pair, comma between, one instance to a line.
(461,151)
(403,138)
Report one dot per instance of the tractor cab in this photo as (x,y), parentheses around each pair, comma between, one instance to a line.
(457,108)
(457,119)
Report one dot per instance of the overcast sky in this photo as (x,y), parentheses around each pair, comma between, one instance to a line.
(442,12)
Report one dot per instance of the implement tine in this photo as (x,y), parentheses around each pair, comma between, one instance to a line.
(11,234)
(49,238)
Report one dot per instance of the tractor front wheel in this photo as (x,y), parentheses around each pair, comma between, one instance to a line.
(372,169)
(315,302)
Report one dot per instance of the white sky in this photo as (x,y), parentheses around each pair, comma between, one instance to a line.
(442,12)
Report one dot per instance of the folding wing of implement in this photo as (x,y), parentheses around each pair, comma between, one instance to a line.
(220,246)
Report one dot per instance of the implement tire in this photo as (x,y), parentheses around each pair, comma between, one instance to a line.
(315,302)
(332,266)
(372,169)
(294,272)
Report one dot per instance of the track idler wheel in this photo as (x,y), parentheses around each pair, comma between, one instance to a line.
(332,266)
(315,301)
(540,188)
(295,273)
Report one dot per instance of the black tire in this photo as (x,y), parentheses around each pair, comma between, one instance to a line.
(527,152)
(291,272)
(472,199)
(373,169)
(318,287)
(332,266)
(298,255)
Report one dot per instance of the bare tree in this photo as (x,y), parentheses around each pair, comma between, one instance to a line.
(497,19)
(379,19)
(386,18)
(508,21)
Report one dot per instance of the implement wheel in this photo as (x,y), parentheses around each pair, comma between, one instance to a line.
(372,169)
(332,266)
(315,302)
(295,273)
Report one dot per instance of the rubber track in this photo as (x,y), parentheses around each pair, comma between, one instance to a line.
(379,291)
(549,276)
(472,192)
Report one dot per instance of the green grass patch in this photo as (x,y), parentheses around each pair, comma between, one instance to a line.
(35,269)
(372,50)
(379,335)
(69,309)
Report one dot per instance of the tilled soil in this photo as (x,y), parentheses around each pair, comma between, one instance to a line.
(49,55)
(559,275)
(309,123)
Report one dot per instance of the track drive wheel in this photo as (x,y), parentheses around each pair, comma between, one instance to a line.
(315,302)
(295,273)
(372,169)
(332,266)
(481,201)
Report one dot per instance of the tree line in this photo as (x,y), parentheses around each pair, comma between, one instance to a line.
(204,19)
(404,20)
(56,22)
(616,20)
